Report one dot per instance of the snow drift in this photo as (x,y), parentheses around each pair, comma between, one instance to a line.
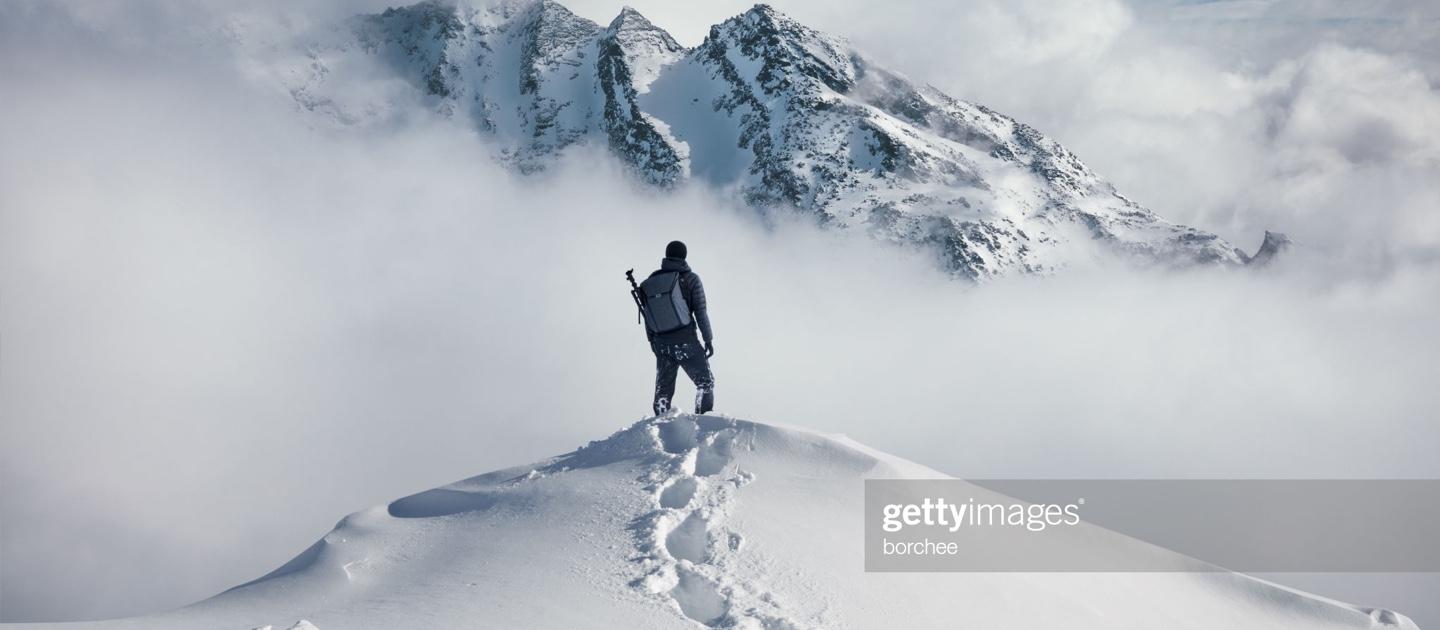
(692,521)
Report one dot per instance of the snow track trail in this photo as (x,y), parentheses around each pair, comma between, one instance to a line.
(689,548)
(685,521)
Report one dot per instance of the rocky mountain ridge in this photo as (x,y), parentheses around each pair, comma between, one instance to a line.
(781,113)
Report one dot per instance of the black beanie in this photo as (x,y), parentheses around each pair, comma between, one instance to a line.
(675,249)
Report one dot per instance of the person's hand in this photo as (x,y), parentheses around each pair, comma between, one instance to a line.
(709,349)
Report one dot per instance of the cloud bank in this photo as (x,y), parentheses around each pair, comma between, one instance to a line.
(1315,119)
(222,325)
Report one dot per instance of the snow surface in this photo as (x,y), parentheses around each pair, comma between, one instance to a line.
(692,521)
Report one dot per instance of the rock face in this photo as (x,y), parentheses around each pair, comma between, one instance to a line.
(632,52)
(1274,245)
(783,114)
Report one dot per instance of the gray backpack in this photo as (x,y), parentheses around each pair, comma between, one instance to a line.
(663,303)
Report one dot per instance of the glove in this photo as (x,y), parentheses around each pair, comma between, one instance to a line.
(709,349)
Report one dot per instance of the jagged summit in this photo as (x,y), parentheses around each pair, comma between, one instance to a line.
(780,113)
(766,16)
(785,47)
(641,40)
(629,18)
(1272,247)
(691,521)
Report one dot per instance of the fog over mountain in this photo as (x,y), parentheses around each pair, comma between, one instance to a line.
(781,114)
(227,319)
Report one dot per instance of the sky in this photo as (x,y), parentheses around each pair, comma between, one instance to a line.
(223,326)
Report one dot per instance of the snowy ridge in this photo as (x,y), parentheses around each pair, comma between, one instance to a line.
(696,521)
(633,52)
(783,114)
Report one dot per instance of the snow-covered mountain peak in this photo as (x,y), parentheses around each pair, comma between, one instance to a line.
(765,17)
(525,10)
(554,31)
(787,50)
(778,113)
(642,42)
(691,521)
(630,19)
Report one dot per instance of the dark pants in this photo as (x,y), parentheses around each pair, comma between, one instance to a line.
(669,358)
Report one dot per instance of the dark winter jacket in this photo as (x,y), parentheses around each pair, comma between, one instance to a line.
(694,293)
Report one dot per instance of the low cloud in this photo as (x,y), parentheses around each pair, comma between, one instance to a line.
(225,325)
(1321,120)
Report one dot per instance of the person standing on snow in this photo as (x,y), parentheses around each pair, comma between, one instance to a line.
(672,304)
